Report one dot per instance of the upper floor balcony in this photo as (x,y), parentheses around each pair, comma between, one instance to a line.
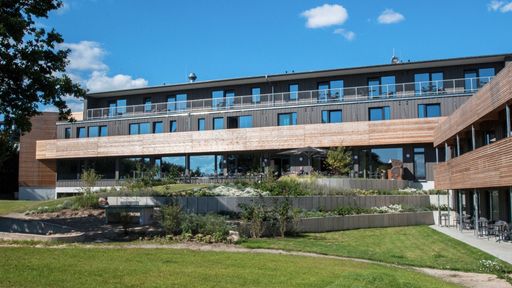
(401,91)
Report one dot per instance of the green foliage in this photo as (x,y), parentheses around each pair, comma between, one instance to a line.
(171,219)
(89,179)
(209,224)
(85,201)
(339,160)
(32,66)
(285,186)
(254,215)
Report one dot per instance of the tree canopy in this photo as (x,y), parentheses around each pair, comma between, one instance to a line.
(32,65)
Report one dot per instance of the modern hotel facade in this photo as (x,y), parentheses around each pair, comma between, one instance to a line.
(416,112)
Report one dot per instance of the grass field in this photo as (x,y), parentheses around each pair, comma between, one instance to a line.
(92,267)
(418,246)
(10,206)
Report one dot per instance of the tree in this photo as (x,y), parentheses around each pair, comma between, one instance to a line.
(89,179)
(339,160)
(31,65)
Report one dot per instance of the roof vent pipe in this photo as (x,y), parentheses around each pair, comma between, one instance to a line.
(192,77)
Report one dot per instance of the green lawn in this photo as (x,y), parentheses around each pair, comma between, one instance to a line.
(10,206)
(93,267)
(415,245)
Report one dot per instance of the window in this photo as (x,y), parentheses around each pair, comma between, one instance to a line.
(426,83)
(256,93)
(485,75)
(67,133)
(470,82)
(121,106)
(294,91)
(139,128)
(218,123)
(429,110)
(419,163)
(103,131)
(147,105)
(381,86)
(234,122)
(336,91)
(331,116)
(200,124)
(172,126)
(245,121)
(158,127)
(287,119)
(177,102)
(94,131)
(230,99)
(323,91)
(379,113)
(217,99)
(80,132)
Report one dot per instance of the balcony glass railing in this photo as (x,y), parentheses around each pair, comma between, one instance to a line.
(311,97)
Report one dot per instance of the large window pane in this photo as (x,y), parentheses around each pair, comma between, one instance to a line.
(181,102)
(323,91)
(335,116)
(217,99)
(147,105)
(433,110)
(200,124)
(121,106)
(287,119)
(172,126)
(205,165)
(256,92)
(437,81)
(470,83)
(174,166)
(388,86)
(419,163)
(230,99)
(171,103)
(103,131)
(144,128)
(336,89)
(379,113)
(485,75)
(80,132)
(422,82)
(134,129)
(94,131)
(294,91)
(158,127)
(245,121)
(67,133)
(218,123)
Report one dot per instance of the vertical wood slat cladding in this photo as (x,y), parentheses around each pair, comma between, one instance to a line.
(488,166)
(400,109)
(362,133)
(488,99)
(32,172)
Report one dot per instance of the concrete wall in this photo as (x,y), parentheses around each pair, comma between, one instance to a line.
(36,193)
(31,226)
(219,204)
(366,184)
(337,223)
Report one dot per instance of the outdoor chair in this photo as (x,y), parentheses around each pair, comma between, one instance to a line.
(483,225)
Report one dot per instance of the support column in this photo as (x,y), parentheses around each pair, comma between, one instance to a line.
(460,210)
(473,138)
(437,155)
(225,164)
(448,205)
(447,152)
(116,173)
(510,202)
(458,145)
(438,209)
(187,165)
(475,206)
(507,118)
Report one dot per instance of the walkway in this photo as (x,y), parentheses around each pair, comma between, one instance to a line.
(501,250)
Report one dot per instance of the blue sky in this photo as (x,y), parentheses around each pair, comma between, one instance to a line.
(127,43)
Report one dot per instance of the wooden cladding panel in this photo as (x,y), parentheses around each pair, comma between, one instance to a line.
(392,132)
(32,172)
(491,97)
(488,166)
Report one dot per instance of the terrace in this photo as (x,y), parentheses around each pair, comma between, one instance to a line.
(401,91)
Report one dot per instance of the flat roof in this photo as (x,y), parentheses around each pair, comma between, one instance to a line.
(304,75)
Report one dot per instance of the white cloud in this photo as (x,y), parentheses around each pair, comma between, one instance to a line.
(325,16)
(389,16)
(500,6)
(85,55)
(64,8)
(349,35)
(100,81)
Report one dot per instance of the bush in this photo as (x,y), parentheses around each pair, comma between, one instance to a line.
(171,219)
(285,186)
(254,215)
(85,201)
(210,224)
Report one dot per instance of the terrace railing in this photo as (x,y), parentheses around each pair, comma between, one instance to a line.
(451,87)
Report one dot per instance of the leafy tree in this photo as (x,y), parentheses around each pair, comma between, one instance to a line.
(31,65)
(89,179)
(339,160)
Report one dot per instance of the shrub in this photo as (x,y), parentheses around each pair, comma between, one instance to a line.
(210,224)
(85,201)
(171,219)
(89,178)
(285,186)
(339,160)
(254,215)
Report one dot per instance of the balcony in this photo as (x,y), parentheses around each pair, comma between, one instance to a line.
(453,87)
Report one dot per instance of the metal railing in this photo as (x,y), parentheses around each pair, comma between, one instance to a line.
(283,99)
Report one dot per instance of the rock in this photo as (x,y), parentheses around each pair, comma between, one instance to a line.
(234,236)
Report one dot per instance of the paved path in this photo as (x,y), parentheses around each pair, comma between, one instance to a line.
(501,250)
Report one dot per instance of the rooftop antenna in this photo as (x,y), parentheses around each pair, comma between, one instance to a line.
(394,59)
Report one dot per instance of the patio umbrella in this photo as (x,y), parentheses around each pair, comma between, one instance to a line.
(309,152)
